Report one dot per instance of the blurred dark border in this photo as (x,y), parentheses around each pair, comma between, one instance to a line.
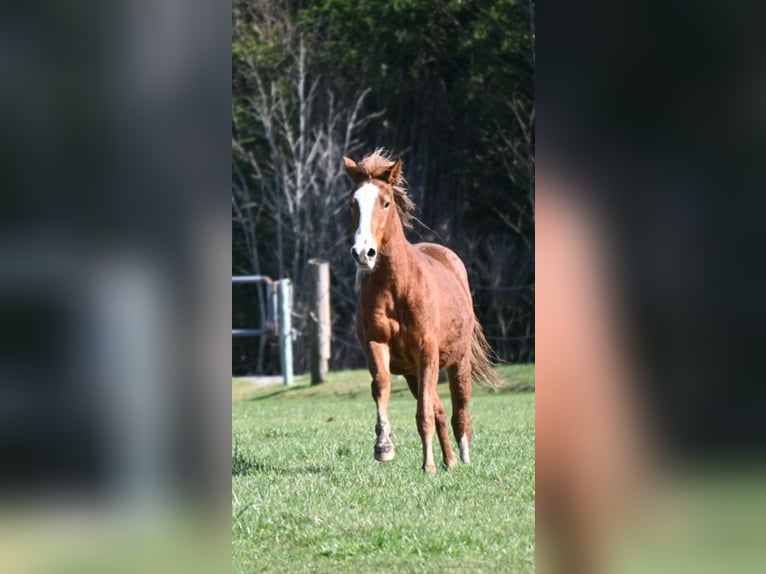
(655,112)
(651,136)
(115,298)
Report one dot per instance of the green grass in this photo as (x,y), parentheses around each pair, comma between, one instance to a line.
(307,495)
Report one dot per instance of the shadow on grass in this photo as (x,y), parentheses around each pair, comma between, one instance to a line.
(281,391)
(518,387)
(307,393)
(245,466)
(343,391)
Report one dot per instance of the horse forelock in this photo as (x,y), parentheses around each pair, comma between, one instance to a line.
(375,165)
(378,163)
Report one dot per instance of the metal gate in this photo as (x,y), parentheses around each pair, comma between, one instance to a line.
(277,320)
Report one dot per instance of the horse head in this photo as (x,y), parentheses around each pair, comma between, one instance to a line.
(371,205)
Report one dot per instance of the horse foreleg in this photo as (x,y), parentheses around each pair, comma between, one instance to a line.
(428,374)
(440,415)
(412,383)
(442,431)
(378,363)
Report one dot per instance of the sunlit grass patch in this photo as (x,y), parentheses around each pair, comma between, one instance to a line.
(307,495)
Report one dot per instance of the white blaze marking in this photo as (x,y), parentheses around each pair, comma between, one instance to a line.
(365,197)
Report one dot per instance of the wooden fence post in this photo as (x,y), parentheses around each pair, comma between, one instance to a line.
(284,294)
(319,315)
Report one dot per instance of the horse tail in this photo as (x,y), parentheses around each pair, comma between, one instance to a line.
(482,370)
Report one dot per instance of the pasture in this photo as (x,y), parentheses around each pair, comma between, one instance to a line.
(307,495)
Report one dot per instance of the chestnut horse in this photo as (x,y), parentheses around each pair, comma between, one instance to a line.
(415,313)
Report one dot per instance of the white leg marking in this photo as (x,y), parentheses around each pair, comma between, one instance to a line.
(463,445)
(429,462)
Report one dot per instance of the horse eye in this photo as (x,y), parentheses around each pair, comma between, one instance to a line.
(387,204)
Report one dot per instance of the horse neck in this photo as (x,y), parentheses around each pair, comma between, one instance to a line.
(396,252)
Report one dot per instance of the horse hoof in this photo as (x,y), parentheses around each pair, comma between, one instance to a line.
(384,454)
(429,469)
(449,464)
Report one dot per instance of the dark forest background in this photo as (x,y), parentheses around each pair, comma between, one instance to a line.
(448,86)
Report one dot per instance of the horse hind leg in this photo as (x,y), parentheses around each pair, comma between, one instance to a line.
(459,376)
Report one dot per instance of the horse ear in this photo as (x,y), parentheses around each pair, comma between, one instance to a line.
(394,172)
(353,170)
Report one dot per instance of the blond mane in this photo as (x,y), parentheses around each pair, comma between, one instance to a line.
(378,163)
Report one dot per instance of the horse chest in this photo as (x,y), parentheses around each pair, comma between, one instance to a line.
(402,359)
(392,325)
(380,325)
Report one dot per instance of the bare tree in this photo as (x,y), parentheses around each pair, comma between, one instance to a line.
(288,140)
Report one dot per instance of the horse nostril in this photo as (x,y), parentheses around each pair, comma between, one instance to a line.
(353,252)
(371,252)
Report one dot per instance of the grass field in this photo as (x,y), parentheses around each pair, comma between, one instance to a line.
(307,495)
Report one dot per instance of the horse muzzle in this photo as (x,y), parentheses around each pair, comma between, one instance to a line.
(364,258)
